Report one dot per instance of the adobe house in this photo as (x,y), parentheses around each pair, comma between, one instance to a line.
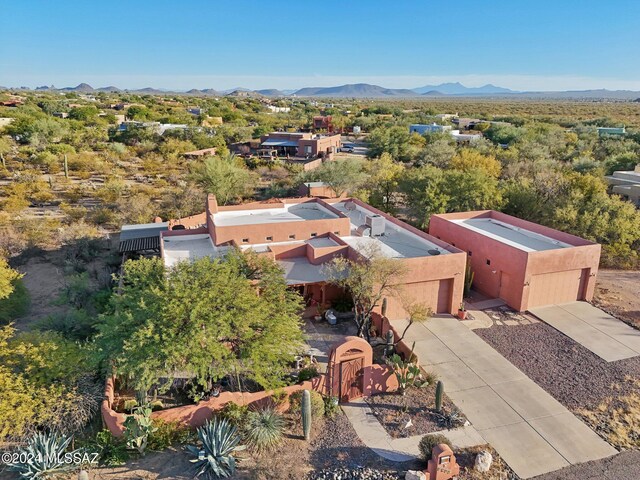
(302,234)
(300,144)
(523,263)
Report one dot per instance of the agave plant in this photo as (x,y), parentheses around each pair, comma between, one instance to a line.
(219,440)
(264,428)
(43,456)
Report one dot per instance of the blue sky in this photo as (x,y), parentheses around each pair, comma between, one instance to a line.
(520,44)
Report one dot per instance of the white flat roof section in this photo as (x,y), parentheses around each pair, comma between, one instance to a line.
(396,242)
(289,213)
(319,242)
(189,247)
(517,237)
(299,270)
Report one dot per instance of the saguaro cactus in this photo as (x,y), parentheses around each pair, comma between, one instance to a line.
(388,351)
(384,307)
(306,414)
(66,167)
(439,392)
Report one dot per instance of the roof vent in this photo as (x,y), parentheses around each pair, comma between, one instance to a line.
(350,205)
(434,252)
(362,230)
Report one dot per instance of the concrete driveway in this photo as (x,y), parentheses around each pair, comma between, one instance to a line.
(606,336)
(531,431)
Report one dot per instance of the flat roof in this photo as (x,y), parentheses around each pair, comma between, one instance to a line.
(396,242)
(189,247)
(508,234)
(296,212)
(299,270)
(142,230)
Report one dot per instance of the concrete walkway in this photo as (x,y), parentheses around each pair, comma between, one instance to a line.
(530,430)
(606,336)
(374,436)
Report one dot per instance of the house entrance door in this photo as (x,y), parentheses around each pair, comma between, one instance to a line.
(351,379)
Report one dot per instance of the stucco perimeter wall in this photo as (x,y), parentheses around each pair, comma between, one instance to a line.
(507,264)
(196,415)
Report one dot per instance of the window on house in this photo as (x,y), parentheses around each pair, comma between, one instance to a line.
(336,233)
(269,239)
(314,234)
(245,240)
(488,262)
(292,236)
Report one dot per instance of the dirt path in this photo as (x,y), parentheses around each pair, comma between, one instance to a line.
(43,279)
(618,292)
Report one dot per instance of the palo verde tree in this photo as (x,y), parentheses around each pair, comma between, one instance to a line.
(226,177)
(212,318)
(367,280)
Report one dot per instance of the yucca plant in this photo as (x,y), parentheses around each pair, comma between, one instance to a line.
(219,440)
(43,456)
(264,428)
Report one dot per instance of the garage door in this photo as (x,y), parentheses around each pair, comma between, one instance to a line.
(556,287)
(436,294)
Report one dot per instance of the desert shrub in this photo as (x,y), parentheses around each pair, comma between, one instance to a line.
(233,412)
(343,304)
(73,324)
(307,374)
(263,429)
(317,404)
(167,434)
(112,451)
(279,397)
(16,304)
(428,442)
(331,406)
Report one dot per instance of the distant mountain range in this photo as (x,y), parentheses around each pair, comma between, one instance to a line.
(365,90)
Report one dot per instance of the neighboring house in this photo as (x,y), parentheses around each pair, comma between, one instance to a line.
(159,128)
(611,131)
(432,128)
(60,114)
(205,152)
(304,234)
(465,137)
(466,123)
(626,184)
(322,123)
(316,189)
(11,103)
(275,109)
(195,111)
(299,144)
(523,263)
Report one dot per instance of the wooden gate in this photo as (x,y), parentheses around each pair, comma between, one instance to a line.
(351,379)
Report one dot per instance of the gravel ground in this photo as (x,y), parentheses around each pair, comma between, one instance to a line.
(394,411)
(573,375)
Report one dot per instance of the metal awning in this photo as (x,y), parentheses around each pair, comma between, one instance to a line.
(139,244)
(279,143)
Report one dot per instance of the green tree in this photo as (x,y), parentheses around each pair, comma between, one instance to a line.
(468,159)
(211,317)
(384,177)
(8,277)
(226,177)
(343,176)
(368,280)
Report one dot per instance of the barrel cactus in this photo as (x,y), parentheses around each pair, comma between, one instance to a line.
(439,392)
(306,414)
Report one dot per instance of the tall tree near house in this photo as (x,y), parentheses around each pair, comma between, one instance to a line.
(225,177)
(212,318)
(367,280)
(343,176)
(384,176)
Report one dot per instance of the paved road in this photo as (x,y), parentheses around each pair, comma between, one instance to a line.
(530,430)
(606,336)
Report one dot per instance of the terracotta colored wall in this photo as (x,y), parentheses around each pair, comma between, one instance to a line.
(511,269)
(196,415)
(280,232)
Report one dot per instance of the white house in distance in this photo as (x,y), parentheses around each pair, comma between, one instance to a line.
(422,129)
(627,184)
